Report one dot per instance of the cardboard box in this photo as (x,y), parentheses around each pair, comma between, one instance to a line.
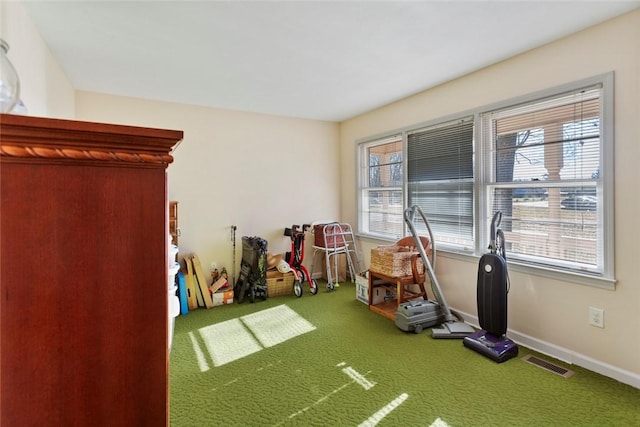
(222,297)
(362,289)
(380,294)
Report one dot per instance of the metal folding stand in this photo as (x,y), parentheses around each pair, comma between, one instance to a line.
(336,239)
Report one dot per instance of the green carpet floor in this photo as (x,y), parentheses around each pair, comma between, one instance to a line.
(326,360)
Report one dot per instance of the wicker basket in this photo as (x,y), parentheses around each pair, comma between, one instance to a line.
(280,285)
(394,261)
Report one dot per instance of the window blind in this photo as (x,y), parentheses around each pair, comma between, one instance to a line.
(440,180)
(544,160)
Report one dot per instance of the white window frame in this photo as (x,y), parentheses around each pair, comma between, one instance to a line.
(364,189)
(606,278)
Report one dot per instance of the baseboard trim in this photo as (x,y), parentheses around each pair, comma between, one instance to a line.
(565,355)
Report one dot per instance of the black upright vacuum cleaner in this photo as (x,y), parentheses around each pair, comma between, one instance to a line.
(493,287)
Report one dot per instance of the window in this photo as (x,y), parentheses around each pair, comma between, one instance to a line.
(440,181)
(544,160)
(544,163)
(381,178)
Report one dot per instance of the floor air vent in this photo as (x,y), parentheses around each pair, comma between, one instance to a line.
(548,366)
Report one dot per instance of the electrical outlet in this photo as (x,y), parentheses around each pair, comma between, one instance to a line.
(596,317)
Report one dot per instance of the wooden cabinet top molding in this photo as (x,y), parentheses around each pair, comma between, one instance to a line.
(30,138)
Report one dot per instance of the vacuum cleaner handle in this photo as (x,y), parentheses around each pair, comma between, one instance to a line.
(409,218)
(495,223)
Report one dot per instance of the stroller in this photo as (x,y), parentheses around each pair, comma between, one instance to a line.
(252,281)
(295,258)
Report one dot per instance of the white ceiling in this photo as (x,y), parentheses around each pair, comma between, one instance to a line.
(309,59)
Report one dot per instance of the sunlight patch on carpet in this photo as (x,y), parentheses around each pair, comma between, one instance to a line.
(439,423)
(358,378)
(355,376)
(236,338)
(319,401)
(228,341)
(202,361)
(383,412)
(276,325)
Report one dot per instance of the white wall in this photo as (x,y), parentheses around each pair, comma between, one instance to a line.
(550,314)
(261,173)
(44,88)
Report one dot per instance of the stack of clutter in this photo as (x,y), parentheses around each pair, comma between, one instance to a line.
(220,290)
(174,302)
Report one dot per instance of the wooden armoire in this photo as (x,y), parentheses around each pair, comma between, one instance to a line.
(84,248)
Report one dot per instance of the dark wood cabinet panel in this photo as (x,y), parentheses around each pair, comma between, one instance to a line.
(83,314)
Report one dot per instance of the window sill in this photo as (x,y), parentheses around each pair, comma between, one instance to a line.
(564,276)
(576,278)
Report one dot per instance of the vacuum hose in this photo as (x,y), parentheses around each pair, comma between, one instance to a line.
(409,217)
